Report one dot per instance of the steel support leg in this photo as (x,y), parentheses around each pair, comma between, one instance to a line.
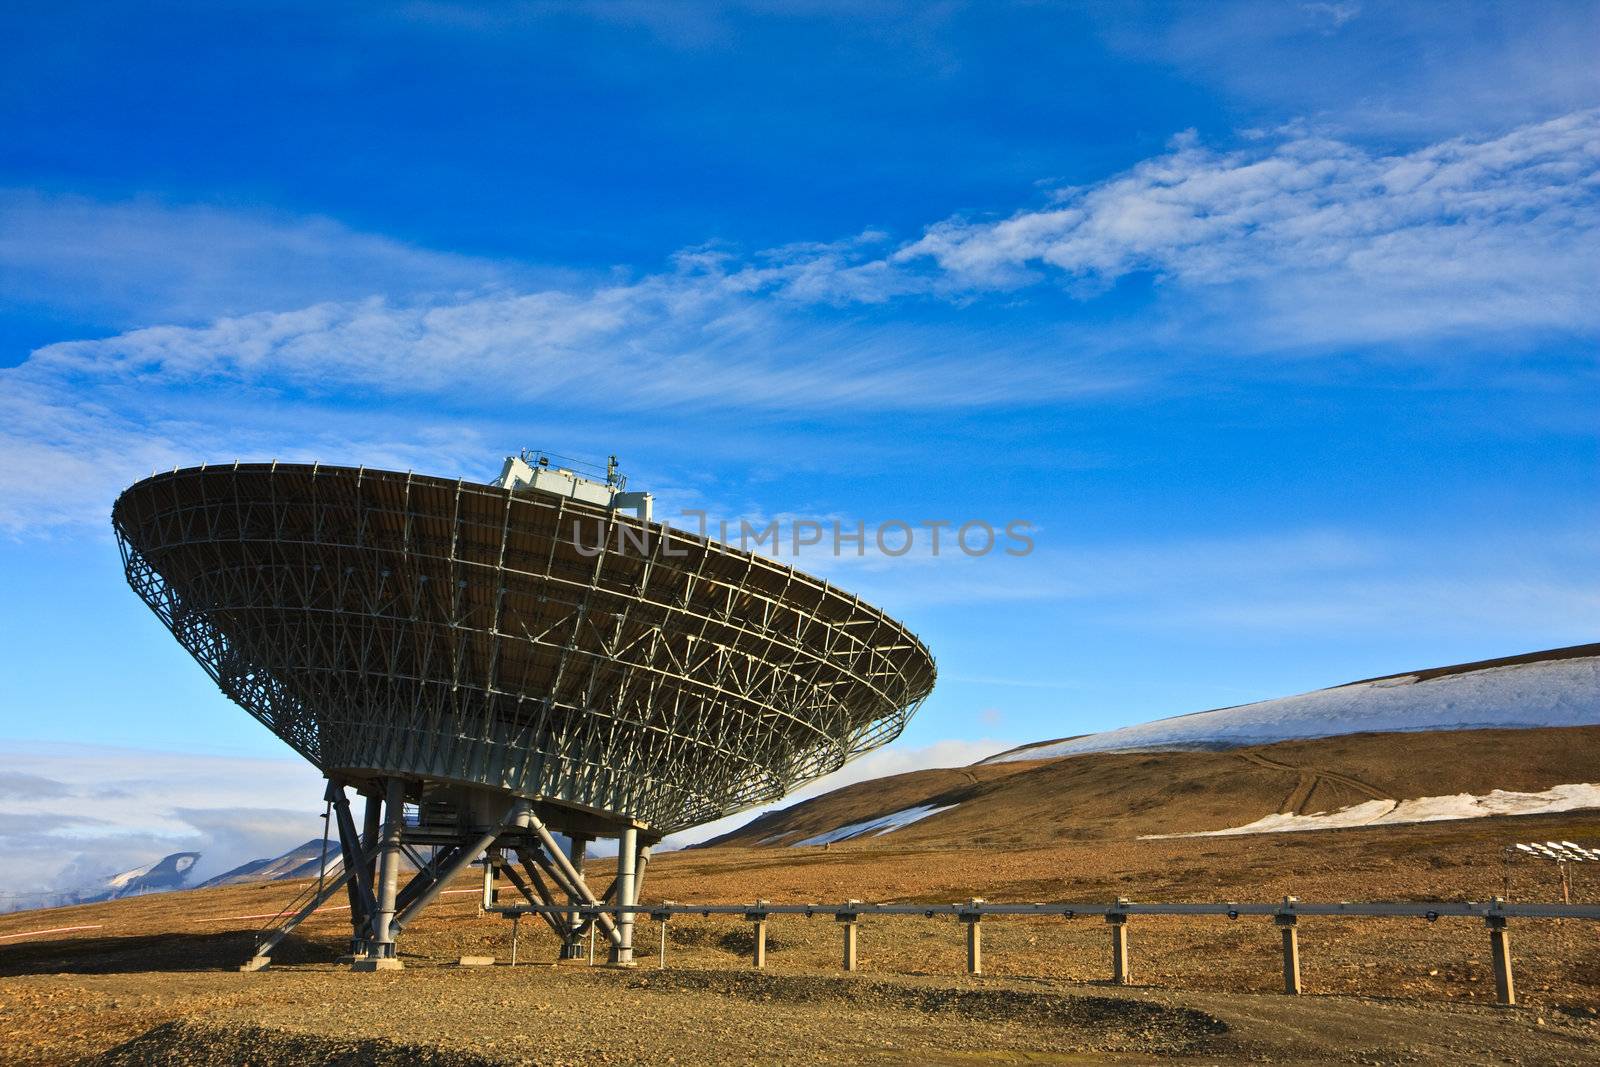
(355,856)
(627,859)
(264,950)
(639,868)
(381,953)
(563,878)
(426,877)
(539,894)
(561,871)
(572,940)
(371,828)
(453,866)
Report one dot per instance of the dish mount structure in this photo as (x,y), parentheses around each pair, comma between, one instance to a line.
(509,670)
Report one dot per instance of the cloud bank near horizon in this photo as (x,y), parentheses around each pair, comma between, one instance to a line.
(76,815)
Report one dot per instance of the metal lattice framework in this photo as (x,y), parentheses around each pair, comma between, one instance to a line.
(393,625)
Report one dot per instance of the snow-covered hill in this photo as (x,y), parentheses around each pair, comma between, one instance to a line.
(169,872)
(302,861)
(1561,689)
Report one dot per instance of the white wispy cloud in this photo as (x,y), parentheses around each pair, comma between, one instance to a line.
(143,259)
(1331,15)
(1387,69)
(695,337)
(1299,245)
(79,420)
(1316,242)
(68,445)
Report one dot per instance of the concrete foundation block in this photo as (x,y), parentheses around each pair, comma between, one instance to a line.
(381,963)
(475,961)
(256,963)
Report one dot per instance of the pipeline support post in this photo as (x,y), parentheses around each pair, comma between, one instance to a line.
(973,920)
(850,921)
(1288,923)
(1118,922)
(661,917)
(1505,989)
(757,917)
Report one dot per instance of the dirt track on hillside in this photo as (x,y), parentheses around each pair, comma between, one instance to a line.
(1120,795)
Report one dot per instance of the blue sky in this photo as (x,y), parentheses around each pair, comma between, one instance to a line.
(1277,320)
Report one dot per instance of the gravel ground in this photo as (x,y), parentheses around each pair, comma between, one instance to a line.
(574,1015)
(152,978)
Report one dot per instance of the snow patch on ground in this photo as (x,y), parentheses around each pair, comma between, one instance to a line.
(1526,695)
(1423,809)
(883,824)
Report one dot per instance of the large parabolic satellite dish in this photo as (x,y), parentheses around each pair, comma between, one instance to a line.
(513,658)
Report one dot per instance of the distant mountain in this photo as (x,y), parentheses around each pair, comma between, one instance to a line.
(299,862)
(164,874)
(172,872)
(302,861)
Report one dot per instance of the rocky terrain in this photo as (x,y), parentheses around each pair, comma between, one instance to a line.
(151,979)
